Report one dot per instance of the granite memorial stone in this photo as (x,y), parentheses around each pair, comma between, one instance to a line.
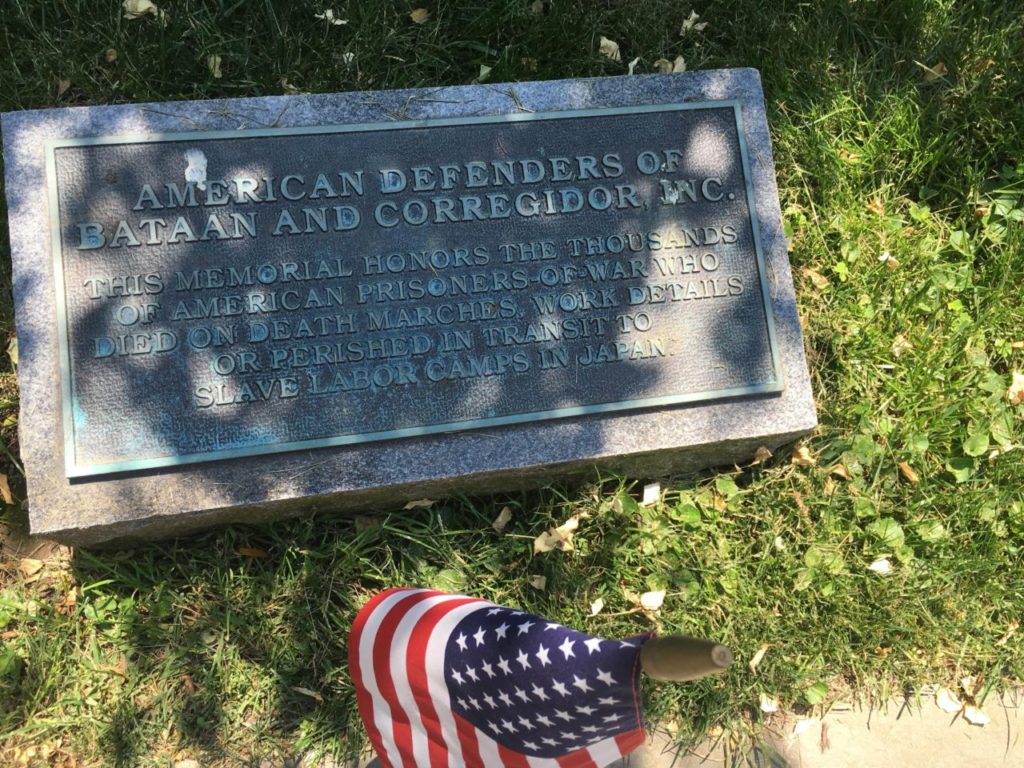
(243,309)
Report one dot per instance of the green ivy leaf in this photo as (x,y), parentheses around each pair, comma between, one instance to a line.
(962,468)
(816,694)
(888,532)
(977,443)
(931,531)
(687,514)
(727,486)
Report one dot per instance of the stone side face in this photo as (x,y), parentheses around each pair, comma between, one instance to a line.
(175,500)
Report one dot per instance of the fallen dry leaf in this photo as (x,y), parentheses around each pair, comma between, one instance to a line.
(537,7)
(609,49)
(559,538)
(538,582)
(596,607)
(768,704)
(881,566)
(631,67)
(330,18)
(948,701)
(889,260)
(758,657)
(5,490)
(213,62)
(28,567)
(900,344)
(761,455)
(652,601)
(802,456)
(252,552)
(62,87)
(420,504)
(975,716)
(504,518)
(691,24)
(110,55)
(307,692)
(485,72)
(419,16)
(908,473)
(823,743)
(1015,393)
(780,544)
(969,684)
(1010,631)
(348,57)
(652,493)
(934,73)
(136,9)
(817,279)
(840,470)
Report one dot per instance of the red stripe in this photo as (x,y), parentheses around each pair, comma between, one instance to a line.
(629,741)
(363,698)
(577,759)
(467,739)
(511,759)
(416,669)
(382,643)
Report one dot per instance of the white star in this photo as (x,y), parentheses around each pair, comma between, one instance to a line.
(566,648)
(612,718)
(542,654)
(627,643)
(581,683)
(462,703)
(487,669)
(563,715)
(505,698)
(503,666)
(590,728)
(545,720)
(474,703)
(526,723)
(593,644)
(607,701)
(550,626)
(461,640)
(489,701)
(479,637)
(605,677)
(560,688)
(508,726)
(494,726)
(531,745)
(522,694)
(472,674)
(502,630)
(494,611)
(539,693)
(525,627)
(585,710)
(457,676)
(523,659)
(549,741)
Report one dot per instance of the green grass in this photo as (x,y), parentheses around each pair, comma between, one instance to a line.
(192,649)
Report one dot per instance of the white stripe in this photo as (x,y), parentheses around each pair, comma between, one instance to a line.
(399,654)
(381,711)
(435,678)
(605,752)
(488,750)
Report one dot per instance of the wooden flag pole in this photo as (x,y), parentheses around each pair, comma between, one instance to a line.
(678,658)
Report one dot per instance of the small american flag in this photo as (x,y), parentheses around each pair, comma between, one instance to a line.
(445,681)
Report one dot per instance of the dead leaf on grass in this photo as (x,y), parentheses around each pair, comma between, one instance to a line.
(5,490)
(652,601)
(538,582)
(934,73)
(559,538)
(213,62)
(1010,632)
(817,279)
(596,607)
(691,24)
(485,72)
(537,7)
(840,470)
(881,566)
(307,692)
(1015,392)
(330,18)
(761,455)
(889,260)
(631,67)
(802,456)
(665,66)
(900,344)
(29,567)
(948,701)
(768,704)
(420,504)
(758,658)
(908,472)
(62,87)
(110,55)
(652,493)
(609,49)
(253,552)
(504,518)
(419,16)
(136,9)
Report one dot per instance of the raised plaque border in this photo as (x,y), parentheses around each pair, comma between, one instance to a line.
(74,470)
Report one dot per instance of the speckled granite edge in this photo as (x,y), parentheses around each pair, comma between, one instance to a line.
(174,501)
